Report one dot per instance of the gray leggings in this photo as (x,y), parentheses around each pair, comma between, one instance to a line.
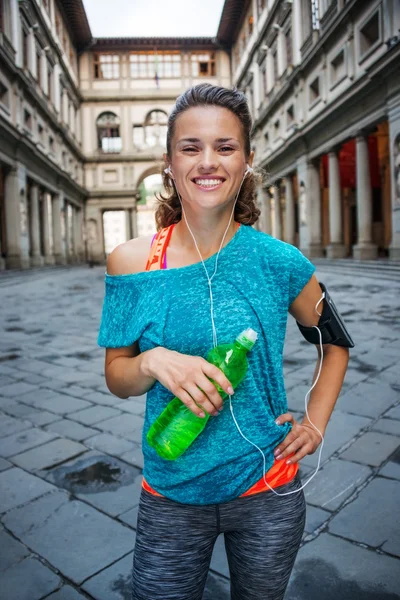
(174,543)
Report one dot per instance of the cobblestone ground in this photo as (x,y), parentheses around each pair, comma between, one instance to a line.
(71,460)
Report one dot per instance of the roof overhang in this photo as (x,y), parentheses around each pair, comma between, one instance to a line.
(75,15)
(232,17)
(104,44)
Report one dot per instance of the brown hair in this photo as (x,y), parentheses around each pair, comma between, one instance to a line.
(169,208)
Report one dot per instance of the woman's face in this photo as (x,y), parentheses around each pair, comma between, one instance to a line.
(208,158)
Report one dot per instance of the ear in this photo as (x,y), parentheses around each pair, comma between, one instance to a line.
(251,158)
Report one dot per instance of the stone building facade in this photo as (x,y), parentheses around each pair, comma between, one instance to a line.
(323,81)
(41,160)
(83,123)
(128,87)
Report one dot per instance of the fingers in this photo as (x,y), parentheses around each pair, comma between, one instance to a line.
(202,400)
(298,442)
(217,375)
(285,418)
(190,403)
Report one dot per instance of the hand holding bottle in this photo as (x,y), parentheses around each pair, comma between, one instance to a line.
(188,378)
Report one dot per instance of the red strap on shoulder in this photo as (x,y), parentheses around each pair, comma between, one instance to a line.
(159,248)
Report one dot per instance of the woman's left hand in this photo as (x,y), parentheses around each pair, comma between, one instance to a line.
(301,440)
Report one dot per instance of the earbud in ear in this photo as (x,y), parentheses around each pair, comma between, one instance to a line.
(168,171)
(248,170)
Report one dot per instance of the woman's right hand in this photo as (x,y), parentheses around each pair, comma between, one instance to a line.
(184,375)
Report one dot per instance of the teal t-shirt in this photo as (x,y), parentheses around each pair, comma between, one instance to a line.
(258,278)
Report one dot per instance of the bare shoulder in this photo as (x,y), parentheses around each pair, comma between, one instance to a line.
(129,257)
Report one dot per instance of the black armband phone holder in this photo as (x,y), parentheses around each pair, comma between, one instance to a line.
(333,330)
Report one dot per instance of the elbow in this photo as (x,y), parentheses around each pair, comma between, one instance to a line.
(114,389)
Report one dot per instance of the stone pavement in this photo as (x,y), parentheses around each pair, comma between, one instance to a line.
(70,466)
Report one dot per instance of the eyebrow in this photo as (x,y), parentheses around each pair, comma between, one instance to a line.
(196,140)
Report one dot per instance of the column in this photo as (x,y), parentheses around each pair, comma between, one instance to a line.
(128,223)
(364,249)
(77,233)
(394,154)
(47,239)
(270,71)
(309,207)
(290,211)
(17,236)
(264,202)
(80,240)
(336,248)
(134,223)
(256,88)
(277,213)
(59,247)
(282,55)
(296,31)
(36,256)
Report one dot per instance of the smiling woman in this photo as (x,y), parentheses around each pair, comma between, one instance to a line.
(163,312)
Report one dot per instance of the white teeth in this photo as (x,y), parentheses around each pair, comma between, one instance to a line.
(208,182)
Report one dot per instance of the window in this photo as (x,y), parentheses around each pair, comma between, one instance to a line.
(146,65)
(106,66)
(51,144)
(338,68)
(50,80)
(290,116)
(275,63)
(277,128)
(108,136)
(264,81)
(155,127)
(40,132)
(203,65)
(314,91)
(138,137)
(370,34)
(27,120)
(25,48)
(289,46)
(38,67)
(4,98)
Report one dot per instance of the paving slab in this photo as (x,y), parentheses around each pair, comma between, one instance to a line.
(49,454)
(219,561)
(37,395)
(123,424)
(66,593)
(28,580)
(62,404)
(341,429)
(390,426)
(133,405)
(217,587)
(10,425)
(11,551)
(103,399)
(113,583)
(329,568)
(4,464)
(372,448)
(18,487)
(134,456)
(29,413)
(16,389)
(72,536)
(101,480)
(336,482)
(93,415)
(25,440)
(130,517)
(109,443)
(77,391)
(315,517)
(71,429)
(376,505)
(368,398)
(394,413)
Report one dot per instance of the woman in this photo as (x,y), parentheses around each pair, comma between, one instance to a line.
(157,329)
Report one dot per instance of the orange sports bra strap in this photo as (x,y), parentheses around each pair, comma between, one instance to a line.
(159,248)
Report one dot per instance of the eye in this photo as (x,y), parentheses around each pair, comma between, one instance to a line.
(191,149)
(226,149)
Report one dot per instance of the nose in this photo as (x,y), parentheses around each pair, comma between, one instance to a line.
(209,160)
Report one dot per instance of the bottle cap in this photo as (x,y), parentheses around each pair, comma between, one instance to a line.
(247,338)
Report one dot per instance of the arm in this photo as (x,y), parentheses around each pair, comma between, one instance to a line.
(303,438)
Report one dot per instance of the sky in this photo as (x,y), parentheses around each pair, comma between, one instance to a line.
(148,18)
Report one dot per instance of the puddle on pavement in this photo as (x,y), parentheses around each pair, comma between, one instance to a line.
(94,474)
(80,355)
(122,585)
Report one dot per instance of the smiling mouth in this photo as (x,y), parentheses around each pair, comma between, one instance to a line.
(208,184)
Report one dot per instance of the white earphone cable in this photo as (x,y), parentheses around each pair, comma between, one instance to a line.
(215,343)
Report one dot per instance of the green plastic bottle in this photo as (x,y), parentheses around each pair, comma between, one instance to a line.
(177,427)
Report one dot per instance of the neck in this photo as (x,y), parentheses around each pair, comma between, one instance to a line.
(207,230)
